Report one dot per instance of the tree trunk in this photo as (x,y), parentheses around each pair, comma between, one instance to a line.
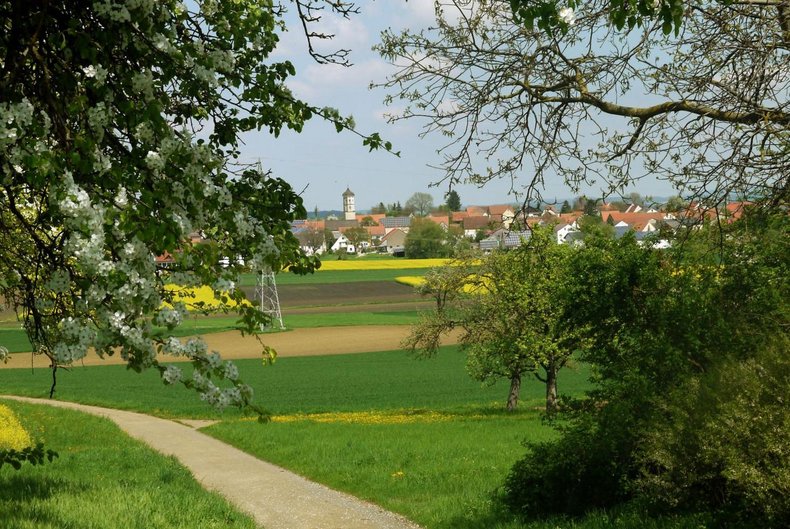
(515,389)
(551,388)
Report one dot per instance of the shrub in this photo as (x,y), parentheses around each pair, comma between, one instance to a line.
(724,443)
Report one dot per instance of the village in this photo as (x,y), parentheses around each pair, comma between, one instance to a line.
(504,226)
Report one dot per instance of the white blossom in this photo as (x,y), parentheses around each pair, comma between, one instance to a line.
(89,71)
(172,374)
(567,15)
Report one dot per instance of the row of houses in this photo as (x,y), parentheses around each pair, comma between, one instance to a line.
(646,224)
(494,226)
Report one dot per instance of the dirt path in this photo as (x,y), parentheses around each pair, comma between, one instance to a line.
(298,342)
(273,496)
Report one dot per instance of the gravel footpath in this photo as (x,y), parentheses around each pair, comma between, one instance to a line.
(273,496)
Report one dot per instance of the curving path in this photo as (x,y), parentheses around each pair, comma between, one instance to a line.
(273,496)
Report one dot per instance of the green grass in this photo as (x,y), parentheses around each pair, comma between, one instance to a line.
(338,319)
(103,479)
(442,471)
(342,383)
(439,474)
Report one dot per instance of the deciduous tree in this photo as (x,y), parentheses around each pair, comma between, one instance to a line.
(420,203)
(120,124)
(426,239)
(512,313)
(696,94)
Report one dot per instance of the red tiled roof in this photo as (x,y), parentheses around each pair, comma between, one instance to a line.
(393,233)
(570,218)
(375,216)
(458,216)
(636,220)
(477,222)
(377,230)
(499,209)
(438,219)
(476,211)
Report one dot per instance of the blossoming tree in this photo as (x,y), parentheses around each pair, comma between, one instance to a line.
(119,130)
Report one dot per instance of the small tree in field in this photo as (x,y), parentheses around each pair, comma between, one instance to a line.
(512,313)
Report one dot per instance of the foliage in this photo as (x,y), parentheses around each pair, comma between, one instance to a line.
(356,236)
(426,239)
(513,317)
(674,204)
(116,113)
(677,105)
(453,201)
(420,203)
(35,455)
(689,356)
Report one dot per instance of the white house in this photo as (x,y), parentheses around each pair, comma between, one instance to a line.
(342,243)
(562,231)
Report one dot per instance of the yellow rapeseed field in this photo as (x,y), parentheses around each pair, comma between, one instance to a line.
(12,435)
(412,281)
(382,264)
(417,281)
(192,296)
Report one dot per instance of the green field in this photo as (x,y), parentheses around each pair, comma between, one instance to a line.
(103,479)
(389,380)
(416,436)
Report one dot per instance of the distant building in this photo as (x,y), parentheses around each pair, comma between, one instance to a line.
(349,209)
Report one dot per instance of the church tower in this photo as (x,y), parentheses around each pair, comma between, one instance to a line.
(349,210)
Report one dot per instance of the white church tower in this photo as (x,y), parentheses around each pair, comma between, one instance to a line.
(349,210)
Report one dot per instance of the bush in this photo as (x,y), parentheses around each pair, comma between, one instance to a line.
(690,411)
(724,443)
(571,476)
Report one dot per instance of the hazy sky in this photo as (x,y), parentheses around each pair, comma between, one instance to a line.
(320,163)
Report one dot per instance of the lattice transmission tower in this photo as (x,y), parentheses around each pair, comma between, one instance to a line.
(266,293)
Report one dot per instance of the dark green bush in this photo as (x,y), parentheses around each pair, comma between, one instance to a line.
(725,443)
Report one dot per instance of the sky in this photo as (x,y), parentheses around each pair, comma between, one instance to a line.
(320,163)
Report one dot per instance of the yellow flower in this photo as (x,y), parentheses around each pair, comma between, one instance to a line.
(412,281)
(12,435)
(192,296)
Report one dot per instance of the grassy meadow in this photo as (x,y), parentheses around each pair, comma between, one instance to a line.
(416,436)
(103,479)
(419,437)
